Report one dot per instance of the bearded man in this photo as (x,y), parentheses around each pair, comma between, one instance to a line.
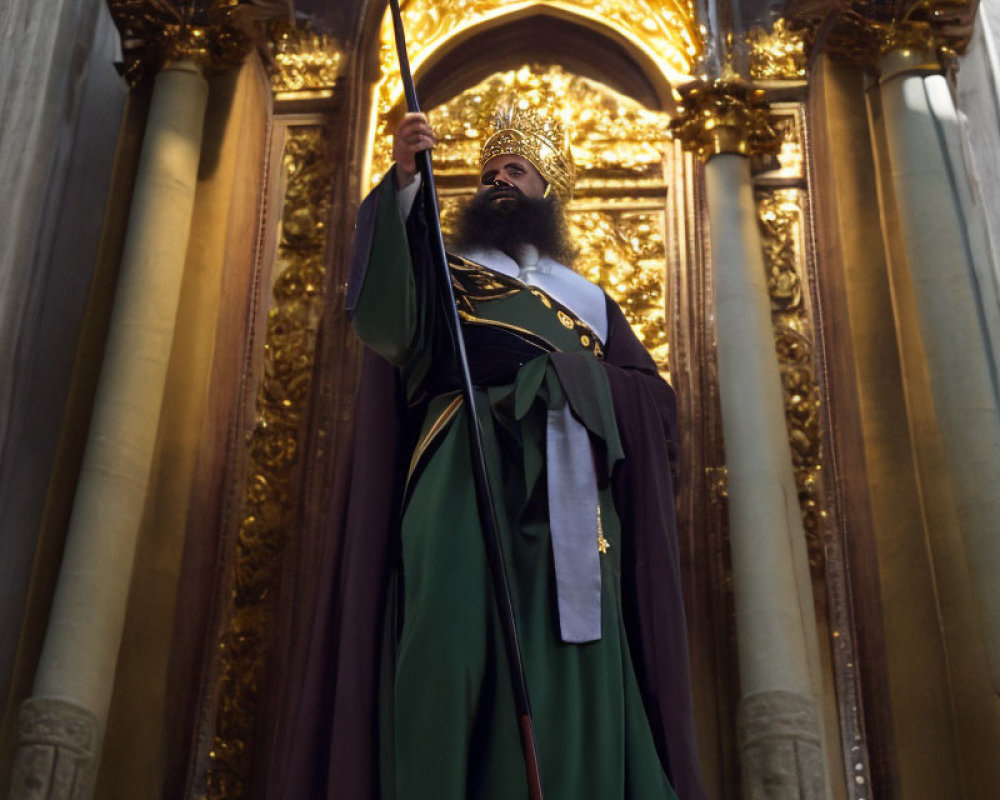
(580,441)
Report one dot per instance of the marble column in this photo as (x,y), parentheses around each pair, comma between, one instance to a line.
(945,254)
(61,724)
(779,732)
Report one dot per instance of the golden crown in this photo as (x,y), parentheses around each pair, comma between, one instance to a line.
(522,129)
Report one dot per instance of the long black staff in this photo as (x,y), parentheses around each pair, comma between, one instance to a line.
(484,494)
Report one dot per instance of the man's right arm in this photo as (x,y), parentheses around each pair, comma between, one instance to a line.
(381,293)
(382,297)
(407,195)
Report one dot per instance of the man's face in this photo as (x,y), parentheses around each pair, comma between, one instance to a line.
(510,209)
(515,171)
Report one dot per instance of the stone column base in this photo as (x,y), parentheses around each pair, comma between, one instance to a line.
(57,751)
(780,747)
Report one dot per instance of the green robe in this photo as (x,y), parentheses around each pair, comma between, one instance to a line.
(448,727)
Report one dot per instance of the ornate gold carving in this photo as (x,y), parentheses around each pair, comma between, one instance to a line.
(942,26)
(781,223)
(666,31)
(791,155)
(215,34)
(624,253)
(865,30)
(725,116)
(273,448)
(778,54)
(307,62)
(788,122)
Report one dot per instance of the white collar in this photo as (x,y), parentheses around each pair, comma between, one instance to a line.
(494,259)
(585,299)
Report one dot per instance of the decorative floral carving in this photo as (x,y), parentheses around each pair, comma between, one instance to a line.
(272,452)
(623,252)
(778,54)
(306,61)
(781,222)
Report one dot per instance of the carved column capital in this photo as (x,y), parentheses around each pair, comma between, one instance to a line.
(920,35)
(214,34)
(725,116)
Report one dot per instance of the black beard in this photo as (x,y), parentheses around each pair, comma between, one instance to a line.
(504,219)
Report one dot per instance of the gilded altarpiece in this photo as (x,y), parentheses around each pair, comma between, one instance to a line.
(639,220)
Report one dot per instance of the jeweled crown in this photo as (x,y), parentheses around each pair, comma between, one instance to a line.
(522,129)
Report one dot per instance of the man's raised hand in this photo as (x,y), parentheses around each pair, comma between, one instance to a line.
(413,134)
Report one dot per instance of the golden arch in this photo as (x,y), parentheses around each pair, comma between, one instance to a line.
(661,35)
